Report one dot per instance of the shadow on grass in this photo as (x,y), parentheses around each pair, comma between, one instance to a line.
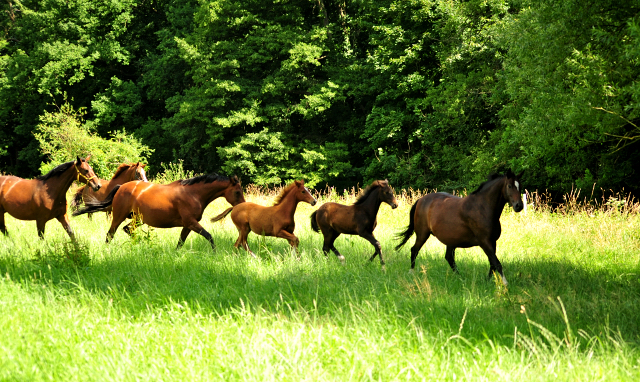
(141,277)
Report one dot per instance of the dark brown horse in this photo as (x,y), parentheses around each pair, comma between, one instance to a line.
(464,222)
(177,204)
(359,219)
(276,220)
(45,197)
(125,173)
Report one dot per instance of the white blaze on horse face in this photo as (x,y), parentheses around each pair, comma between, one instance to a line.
(143,175)
(517,185)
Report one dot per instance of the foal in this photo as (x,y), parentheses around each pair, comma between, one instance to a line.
(464,222)
(359,219)
(45,197)
(276,220)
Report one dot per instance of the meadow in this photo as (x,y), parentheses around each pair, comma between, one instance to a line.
(138,309)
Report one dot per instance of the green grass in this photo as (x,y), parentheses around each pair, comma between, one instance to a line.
(137,309)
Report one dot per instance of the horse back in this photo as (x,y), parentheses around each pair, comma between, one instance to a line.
(25,199)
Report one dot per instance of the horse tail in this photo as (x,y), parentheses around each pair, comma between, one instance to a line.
(314,222)
(222,215)
(77,198)
(95,206)
(406,234)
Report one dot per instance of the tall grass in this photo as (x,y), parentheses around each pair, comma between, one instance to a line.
(137,309)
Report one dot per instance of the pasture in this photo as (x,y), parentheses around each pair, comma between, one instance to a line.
(138,309)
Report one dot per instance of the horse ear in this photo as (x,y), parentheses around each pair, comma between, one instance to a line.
(78,159)
(234,180)
(299,183)
(510,174)
(87,158)
(143,165)
(520,175)
(137,164)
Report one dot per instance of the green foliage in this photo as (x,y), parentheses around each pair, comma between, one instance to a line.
(267,159)
(62,137)
(428,93)
(172,172)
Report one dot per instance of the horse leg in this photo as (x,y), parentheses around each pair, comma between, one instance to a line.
(450,255)
(133,224)
(291,238)
(376,244)
(115,223)
(183,236)
(3,227)
(64,220)
(40,226)
(329,238)
(489,248)
(196,227)
(243,234)
(421,238)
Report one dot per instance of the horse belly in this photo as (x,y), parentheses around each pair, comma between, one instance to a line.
(450,229)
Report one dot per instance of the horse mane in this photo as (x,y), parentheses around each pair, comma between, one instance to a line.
(122,168)
(207,178)
(56,171)
(491,178)
(367,191)
(283,193)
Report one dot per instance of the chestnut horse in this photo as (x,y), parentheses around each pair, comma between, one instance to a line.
(276,220)
(177,204)
(464,222)
(359,219)
(124,173)
(45,197)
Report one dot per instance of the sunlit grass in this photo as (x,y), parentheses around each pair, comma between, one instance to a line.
(137,309)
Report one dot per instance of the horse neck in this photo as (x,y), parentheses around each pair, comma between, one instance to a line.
(492,195)
(289,203)
(126,176)
(371,205)
(58,185)
(208,192)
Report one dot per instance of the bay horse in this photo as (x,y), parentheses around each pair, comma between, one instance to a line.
(45,197)
(464,222)
(177,204)
(359,219)
(276,220)
(124,173)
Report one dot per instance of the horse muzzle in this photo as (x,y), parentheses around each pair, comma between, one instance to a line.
(96,187)
(313,202)
(518,206)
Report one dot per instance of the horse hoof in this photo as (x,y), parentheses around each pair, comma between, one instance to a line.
(341,258)
(411,271)
(384,268)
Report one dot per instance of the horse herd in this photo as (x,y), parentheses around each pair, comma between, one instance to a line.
(457,222)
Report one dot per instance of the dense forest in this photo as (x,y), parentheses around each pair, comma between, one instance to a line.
(427,93)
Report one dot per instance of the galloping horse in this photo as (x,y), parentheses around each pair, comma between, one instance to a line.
(276,220)
(464,222)
(358,219)
(177,204)
(44,198)
(125,173)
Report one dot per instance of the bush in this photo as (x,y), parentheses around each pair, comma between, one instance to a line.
(63,136)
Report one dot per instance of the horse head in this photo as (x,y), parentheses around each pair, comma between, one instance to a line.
(85,172)
(512,192)
(140,173)
(233,192)
(303,194)
(386,194)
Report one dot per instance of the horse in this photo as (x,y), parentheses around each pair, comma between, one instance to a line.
(177,204)
(276,220)
(464,222)
(124,173)
(359,219)
(44,198)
